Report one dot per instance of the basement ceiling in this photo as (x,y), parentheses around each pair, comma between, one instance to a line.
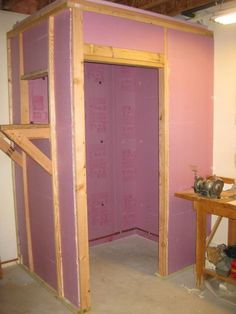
(166,7)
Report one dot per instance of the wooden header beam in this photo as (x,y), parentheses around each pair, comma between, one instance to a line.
(114,55)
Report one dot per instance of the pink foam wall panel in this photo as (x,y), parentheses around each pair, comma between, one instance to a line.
(147,142)
(122,150)
(109,31)
(38,100)
(15,68)
(41,218)
(99,150)
(35,41)
(190,59)
(64,145)
(125,154)
(20,214)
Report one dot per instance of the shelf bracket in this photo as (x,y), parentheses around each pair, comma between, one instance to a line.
(10,151)
(21,136)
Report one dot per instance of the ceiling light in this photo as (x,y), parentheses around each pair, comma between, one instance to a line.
(226,17)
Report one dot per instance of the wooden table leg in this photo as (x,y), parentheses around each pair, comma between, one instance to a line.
(200,244)
(1,270)
(231,231)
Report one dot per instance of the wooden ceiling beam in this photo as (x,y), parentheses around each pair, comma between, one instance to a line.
(168,7)
(173,8)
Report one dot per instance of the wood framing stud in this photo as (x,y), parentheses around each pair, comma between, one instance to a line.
(164,167)
(80,159)
(56,204)
(27,214)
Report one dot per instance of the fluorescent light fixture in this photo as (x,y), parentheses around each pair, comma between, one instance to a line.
(226,17)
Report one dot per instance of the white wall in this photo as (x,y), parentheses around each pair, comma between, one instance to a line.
(224,150)
(8,247)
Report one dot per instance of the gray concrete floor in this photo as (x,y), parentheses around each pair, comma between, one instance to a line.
(122,282)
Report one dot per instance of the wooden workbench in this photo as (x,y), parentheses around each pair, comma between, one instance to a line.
(223,207)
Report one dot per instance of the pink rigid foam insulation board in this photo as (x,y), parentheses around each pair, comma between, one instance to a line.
(35,41)
(122,149)
(191,123)
(63,99)
(20,214)
(15,68)
(38,100)
(113,31)
(41,218)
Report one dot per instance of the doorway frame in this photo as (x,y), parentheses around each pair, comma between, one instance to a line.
(88,52)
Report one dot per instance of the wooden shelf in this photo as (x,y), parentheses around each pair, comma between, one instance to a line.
(219,277)
(22,126)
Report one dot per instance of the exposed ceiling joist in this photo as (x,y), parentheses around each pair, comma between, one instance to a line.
(166,7)
(170,7)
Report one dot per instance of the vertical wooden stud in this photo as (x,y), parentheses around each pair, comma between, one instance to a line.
(24,87)
(24,106)
(27,214)
(163,166)
(51,89)
(79,157)
(9,73)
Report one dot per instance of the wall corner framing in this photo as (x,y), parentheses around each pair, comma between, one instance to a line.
(78,114)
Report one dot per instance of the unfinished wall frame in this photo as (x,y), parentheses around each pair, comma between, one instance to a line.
(82,50)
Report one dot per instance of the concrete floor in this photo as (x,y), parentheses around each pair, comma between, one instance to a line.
(122,282)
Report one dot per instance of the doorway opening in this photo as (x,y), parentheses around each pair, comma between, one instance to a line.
(122,157)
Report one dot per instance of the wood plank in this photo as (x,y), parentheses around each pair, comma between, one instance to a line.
(55,183)
(115,55)
(23,126)
(10,151)
(27,213)
(80,159)
(34,75)
(10,95)
(200,244)
(24,87)
(232,232)
(29,148)
(214,274)
(164,167)
(1,273)
(31,131)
